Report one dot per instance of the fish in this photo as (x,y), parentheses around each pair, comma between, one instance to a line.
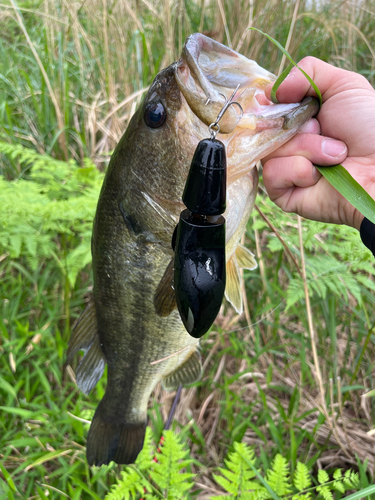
(132,323)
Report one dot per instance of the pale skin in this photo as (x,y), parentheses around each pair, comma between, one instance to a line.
(342,132)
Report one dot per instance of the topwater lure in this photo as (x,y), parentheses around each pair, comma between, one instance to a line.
(199,238)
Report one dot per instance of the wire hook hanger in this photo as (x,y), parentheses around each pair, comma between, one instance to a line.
(214,128)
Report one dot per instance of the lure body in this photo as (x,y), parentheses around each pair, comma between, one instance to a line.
(199,275)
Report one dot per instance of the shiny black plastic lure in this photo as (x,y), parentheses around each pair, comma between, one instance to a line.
(199,238)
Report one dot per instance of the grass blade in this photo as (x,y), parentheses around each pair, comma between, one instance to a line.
(48,457)
(361,494)
(350,189)
(279,81)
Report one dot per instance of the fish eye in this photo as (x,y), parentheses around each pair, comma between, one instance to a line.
(155,115)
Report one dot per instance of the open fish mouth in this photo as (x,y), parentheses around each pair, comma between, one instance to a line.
(208,71)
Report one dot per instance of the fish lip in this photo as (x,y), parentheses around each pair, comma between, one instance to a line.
(308,108)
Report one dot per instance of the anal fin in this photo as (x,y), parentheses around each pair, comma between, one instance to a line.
(245,259)
(233,286)
(85,338)
(188,372)
(165,298)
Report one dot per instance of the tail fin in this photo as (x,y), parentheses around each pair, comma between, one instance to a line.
(120,442)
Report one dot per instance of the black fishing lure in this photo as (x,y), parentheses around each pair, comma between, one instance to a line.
(199,238)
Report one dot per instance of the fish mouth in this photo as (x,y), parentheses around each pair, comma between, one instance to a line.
(208,71)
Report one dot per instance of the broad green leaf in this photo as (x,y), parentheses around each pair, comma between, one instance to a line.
(341,180)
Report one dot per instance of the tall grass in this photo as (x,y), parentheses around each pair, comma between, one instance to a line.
(71,76)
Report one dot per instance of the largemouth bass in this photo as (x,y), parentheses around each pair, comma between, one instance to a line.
(133,321)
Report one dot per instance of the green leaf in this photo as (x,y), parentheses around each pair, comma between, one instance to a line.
(341,180)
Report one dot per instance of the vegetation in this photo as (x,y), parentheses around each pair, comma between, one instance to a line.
(285,379)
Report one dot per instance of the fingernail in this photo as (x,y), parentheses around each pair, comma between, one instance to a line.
(310,127)
(316,174)
(333,148)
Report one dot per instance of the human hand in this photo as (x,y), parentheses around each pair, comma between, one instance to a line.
(346,122)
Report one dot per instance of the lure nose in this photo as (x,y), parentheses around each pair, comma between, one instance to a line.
(199,275)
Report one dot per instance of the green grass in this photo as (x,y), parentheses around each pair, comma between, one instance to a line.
(259,384)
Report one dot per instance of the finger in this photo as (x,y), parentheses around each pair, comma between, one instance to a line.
(317,149)
(295,185)
(281,174)
(310,127)
(329,79)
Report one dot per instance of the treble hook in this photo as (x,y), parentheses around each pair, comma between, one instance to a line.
(214,128)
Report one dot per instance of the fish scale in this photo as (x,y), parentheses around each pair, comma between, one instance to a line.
(132,320)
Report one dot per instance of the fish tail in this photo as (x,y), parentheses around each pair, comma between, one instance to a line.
(117,441)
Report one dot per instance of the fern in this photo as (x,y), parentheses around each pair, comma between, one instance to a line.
(278,477)
(301,479)
(167,470)
(58,198)
(242,480)
(154,478)
(337,263)
(237,478)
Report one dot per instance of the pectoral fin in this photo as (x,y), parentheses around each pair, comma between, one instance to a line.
(190,371)
(85,338)
(165,298)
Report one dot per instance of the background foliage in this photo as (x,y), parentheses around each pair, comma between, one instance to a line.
(71,75)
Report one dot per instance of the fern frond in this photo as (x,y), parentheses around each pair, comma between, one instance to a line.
(131,484)
(144,460)
(325,492)
(58,198)
(170,461)
(169,481)
(323,477)
(237,478)
(301,478)
(278,476)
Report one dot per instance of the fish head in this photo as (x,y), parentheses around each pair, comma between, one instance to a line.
(175,115)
